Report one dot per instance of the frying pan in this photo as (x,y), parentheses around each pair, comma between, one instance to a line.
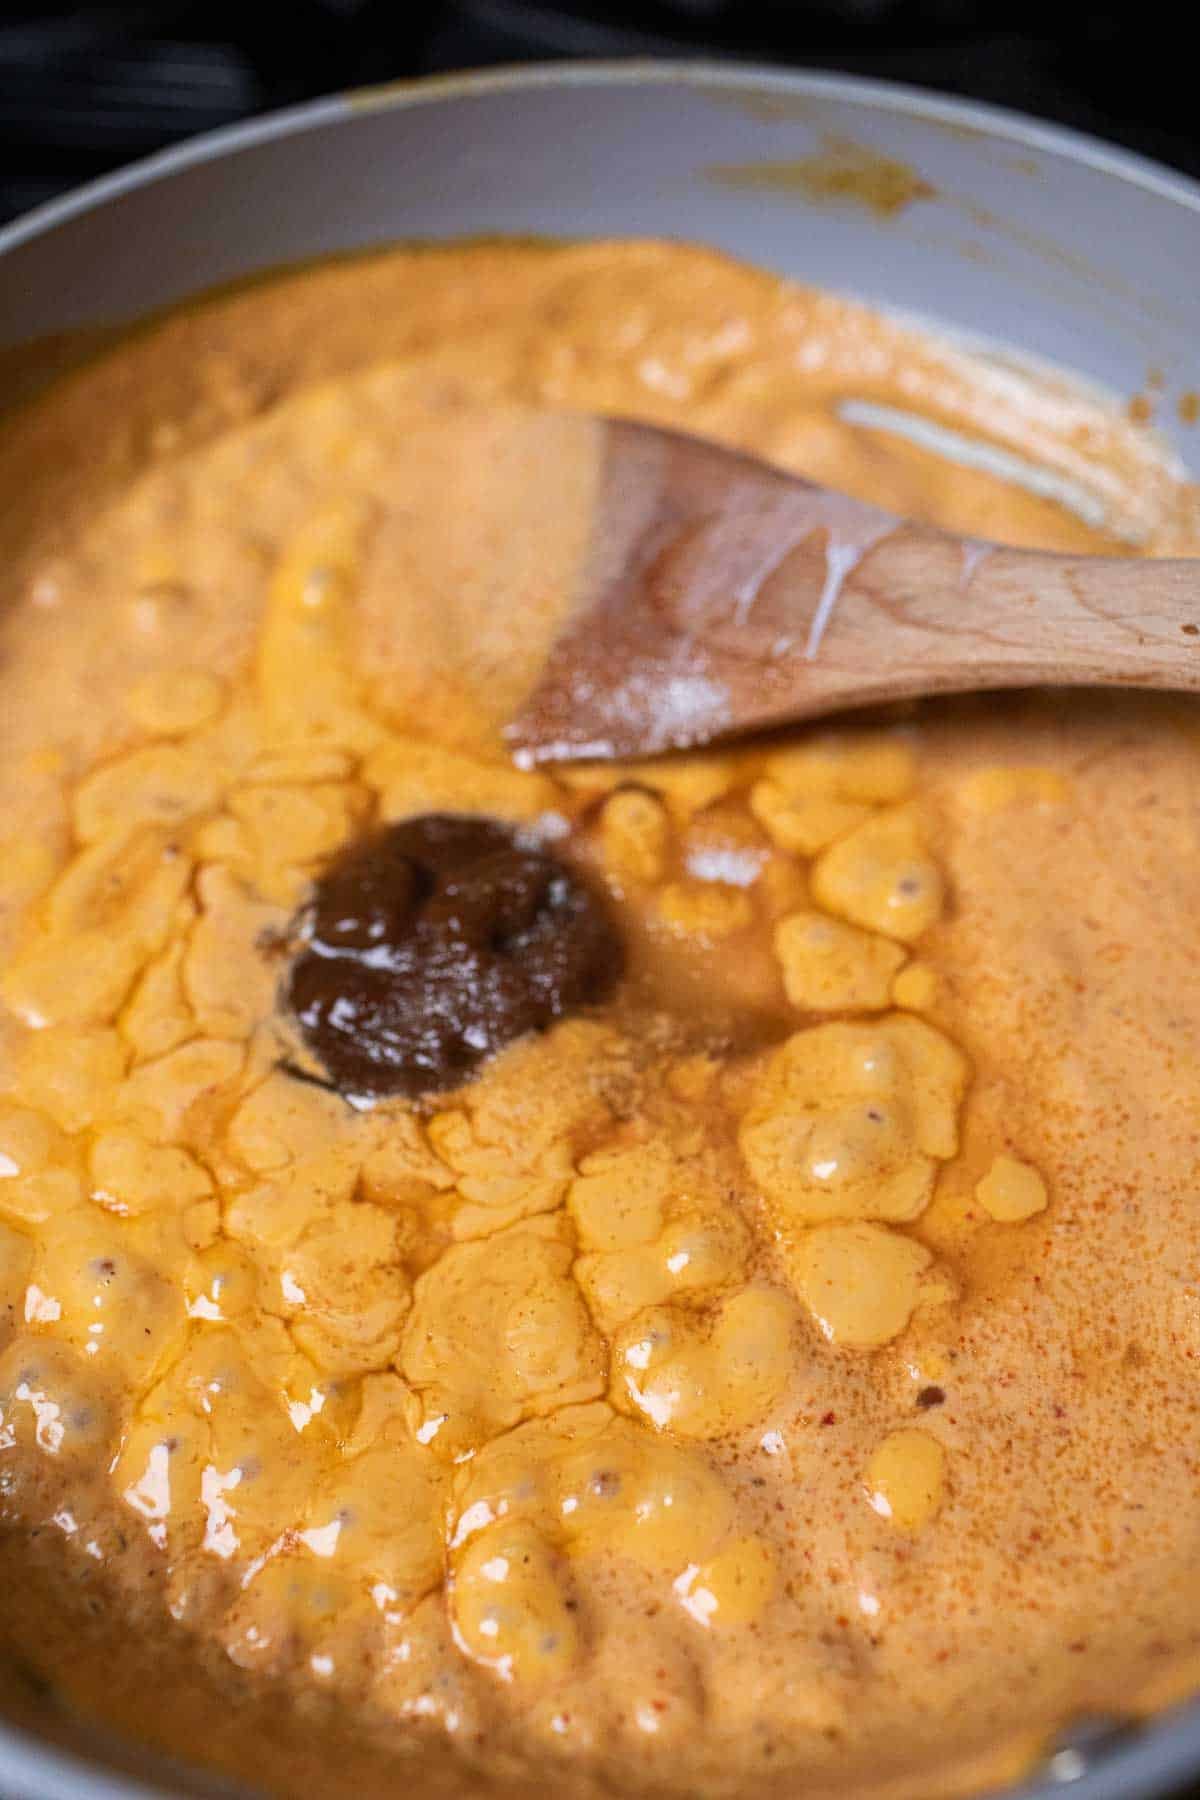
(992,227)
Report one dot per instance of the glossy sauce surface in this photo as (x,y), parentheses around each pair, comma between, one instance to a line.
(776,1376)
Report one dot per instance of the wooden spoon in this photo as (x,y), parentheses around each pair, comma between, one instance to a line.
(719,595)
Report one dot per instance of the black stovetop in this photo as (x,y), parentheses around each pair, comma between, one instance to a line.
(85,88)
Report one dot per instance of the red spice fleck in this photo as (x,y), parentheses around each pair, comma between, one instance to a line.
(829,1418)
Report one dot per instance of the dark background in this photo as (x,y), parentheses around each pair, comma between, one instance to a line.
(85,88)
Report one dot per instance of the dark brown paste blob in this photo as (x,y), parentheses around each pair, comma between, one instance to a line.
(429,946)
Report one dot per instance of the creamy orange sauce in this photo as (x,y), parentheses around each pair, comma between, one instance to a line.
(779,1379)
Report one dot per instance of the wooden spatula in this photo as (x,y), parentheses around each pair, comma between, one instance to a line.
(720,595)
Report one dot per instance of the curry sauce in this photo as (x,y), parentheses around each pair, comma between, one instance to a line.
(771,1370)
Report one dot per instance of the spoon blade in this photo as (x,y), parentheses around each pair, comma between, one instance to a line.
(708,586)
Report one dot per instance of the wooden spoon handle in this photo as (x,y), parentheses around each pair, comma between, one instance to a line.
(923,613)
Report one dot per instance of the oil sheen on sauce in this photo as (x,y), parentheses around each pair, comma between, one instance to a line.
(771,1372)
